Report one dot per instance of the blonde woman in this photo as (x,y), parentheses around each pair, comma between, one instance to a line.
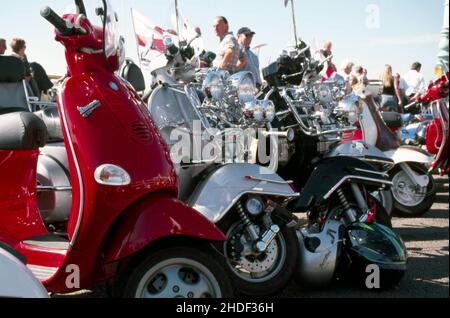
(389,100)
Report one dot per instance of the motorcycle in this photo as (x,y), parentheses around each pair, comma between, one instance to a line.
(124,225)
(17,280)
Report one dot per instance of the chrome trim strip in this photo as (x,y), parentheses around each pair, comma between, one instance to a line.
(50,188)
(78,170)
(268,180)
(344,179)
(384,174)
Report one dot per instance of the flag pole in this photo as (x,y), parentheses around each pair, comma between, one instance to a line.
(294,22)
(177,14)
(135,38)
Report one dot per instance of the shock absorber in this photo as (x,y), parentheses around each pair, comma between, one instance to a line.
(247,223)
(348,210)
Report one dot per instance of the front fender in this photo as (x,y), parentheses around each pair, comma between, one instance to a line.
(154,217)
(221,190)
(410,154)
(329,174)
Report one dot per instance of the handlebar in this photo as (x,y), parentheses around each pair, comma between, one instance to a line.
(80,7)
(50,15)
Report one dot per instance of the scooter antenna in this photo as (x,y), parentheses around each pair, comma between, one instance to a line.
(294,23)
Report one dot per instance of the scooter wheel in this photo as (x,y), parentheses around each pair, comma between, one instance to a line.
(177,272)
(400,194)
(265,274)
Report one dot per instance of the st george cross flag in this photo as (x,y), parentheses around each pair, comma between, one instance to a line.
(148,35)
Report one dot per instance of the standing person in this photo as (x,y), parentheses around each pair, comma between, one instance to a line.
(18,46)
(245,37)
(389,97)
(229,57)
(415,81)
(346,69)
(400,91)
(325,51)
(3,46)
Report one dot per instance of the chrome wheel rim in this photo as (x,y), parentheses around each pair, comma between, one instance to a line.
(178,278)
(406,192)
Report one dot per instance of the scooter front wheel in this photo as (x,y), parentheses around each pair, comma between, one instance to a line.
(181,272)
(260,274)
(409,199)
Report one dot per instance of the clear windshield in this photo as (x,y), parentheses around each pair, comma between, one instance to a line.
(112,37)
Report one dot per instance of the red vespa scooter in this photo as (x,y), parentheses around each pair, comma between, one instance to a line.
(126,224)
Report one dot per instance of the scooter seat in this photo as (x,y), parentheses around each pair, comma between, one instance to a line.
(392,119)
(22,131)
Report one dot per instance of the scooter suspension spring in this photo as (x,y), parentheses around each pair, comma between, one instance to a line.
(343,199)
(242,214)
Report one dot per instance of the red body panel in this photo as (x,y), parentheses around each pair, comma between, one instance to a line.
(153,218)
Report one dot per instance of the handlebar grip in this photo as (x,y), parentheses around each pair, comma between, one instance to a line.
(50,15)
(81,9)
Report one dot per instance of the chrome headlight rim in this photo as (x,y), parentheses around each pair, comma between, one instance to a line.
(214,85)
(240,92)
(350,108)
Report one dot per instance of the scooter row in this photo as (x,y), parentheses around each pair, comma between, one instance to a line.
(126,226)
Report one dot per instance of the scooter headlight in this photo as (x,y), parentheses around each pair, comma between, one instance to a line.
(349,108)
(254,205)
(241,88)
(213,86)
(112,175)
(269,109)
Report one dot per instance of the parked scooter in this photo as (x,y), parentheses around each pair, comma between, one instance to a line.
(16,279)
(125,224)
(304,109)
(414,188)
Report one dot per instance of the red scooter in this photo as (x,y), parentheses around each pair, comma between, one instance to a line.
(126,225)
(436,131)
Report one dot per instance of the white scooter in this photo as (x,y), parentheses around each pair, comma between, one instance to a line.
(16,280)
(413,188)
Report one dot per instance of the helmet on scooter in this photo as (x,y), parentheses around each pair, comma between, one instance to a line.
(376,249)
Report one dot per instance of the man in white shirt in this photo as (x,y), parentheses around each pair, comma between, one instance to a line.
(415,81)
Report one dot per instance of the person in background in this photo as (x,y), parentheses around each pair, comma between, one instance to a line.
(389,99)
(324,52)
(230,56)
(18,46)
(346,69)
(400,91)
(245,37)
(3,46)
(415,81)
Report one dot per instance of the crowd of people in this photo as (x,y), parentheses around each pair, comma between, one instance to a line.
(235,54)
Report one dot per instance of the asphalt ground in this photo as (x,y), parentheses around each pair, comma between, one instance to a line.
(427,241)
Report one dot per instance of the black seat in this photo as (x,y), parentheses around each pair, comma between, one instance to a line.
(133,74)
(392,119)
(12,69)
(22,131)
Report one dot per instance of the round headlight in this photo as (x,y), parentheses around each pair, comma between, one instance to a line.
(254,206)
(349,108)
(324,93)
(268,108)
(258,113)
(249,109)
(213,86)
(242,87)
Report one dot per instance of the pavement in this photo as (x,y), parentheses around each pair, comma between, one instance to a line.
(427,241)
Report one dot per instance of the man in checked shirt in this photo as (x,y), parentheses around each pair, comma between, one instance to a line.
(230,57)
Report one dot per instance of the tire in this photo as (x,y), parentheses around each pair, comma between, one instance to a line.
(279,276)
(419,209)
(180,272)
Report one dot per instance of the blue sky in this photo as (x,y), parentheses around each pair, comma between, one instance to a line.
(406,31)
